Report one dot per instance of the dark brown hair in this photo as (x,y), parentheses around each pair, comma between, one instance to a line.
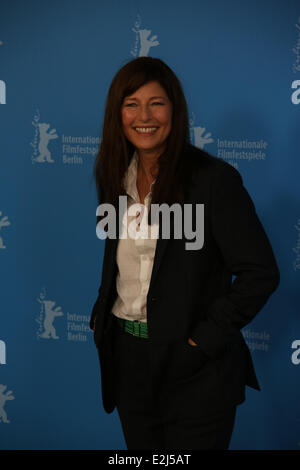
(115,151)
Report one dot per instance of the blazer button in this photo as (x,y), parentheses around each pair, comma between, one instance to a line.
(153,299)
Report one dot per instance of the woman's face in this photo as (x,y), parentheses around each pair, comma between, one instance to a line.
(147,118)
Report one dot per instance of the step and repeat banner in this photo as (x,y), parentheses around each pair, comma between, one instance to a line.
(239,65)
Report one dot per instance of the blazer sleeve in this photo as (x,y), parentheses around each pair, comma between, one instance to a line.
(247,253)
(98,299)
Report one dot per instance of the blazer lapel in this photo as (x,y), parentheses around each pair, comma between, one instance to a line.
(161,246)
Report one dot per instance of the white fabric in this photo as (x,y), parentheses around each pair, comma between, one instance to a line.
(134,256)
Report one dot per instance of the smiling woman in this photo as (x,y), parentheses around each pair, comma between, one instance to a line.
(167,319)
(147,123)
(144,94)
(147,119)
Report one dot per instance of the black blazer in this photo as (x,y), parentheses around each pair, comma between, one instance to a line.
(191,292)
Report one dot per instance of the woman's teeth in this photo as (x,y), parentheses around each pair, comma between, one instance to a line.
(146,130)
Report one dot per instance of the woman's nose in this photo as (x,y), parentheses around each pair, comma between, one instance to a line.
(144,113)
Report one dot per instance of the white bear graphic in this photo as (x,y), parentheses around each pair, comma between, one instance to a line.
(45,155)
(3,399)
(50,314)
(145,43)
(200,139)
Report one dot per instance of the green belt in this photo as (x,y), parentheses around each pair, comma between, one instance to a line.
(135,327)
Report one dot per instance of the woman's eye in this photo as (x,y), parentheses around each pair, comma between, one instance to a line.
(130,105)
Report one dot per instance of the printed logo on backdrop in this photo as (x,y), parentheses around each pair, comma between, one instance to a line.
(295,97)
(296,249)
(42,137)
(232,151)
(73,327)
(235,151)
(4,222)
(143,42)
(198,136)
(257,340)
(2,88)
(69,154)
(47,315)
(4,397)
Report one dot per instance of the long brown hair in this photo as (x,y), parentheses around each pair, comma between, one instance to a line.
(115,151)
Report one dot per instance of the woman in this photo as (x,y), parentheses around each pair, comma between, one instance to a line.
(167,319)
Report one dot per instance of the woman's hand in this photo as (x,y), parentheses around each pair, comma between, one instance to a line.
(190,341)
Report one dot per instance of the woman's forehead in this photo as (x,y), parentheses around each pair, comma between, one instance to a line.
(152,88)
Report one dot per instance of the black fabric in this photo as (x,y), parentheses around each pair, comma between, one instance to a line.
(157,415)
(191,293)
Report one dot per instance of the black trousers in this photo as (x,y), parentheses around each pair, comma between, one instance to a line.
(149,423)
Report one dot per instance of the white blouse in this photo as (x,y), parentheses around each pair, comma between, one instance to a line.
(134,255)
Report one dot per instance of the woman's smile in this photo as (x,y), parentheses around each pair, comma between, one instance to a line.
(146,131)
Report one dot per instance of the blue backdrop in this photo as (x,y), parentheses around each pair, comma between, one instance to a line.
(239,64)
